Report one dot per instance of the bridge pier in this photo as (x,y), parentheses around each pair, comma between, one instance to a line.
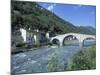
(60,45)
(81,43)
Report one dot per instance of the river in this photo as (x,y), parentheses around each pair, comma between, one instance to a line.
(36,61)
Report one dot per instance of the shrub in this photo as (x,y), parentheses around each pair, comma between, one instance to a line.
(53,64)
(85,59)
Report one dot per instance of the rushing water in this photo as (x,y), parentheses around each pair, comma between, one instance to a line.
(37,60)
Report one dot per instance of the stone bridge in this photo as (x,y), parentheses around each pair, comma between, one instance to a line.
(79,37)
(60,38)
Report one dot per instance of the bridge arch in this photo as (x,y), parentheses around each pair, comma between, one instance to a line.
(69,38)
(88,38)
(77,36)
(56,41)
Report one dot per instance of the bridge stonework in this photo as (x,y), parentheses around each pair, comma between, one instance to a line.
(79,37)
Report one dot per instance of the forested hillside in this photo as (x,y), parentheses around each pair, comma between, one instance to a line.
(32,15)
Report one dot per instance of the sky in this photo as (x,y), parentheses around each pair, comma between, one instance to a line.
(78,15)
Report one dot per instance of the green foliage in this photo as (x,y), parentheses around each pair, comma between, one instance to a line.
(32,15)
(85,59)
(53,64)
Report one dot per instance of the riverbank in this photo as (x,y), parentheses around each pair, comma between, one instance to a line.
(39,60)
(85,59)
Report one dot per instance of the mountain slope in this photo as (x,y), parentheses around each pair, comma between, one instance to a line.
(87,30)
(31,15)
